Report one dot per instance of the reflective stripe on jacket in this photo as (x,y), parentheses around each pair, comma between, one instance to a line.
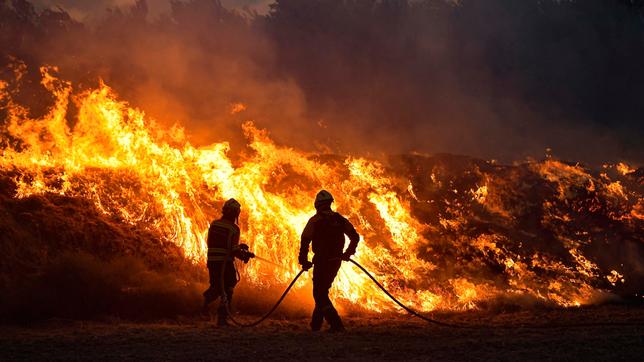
(223,240)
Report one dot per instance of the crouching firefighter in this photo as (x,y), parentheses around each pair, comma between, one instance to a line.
(326,229)
(223,247)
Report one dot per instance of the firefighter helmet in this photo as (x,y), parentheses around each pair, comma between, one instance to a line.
(232,205)
(323,197)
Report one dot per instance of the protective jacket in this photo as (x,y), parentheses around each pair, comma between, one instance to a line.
(326,230)
(223,236)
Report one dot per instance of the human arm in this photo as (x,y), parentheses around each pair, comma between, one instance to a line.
(354,238)
(240,251)
(305,241)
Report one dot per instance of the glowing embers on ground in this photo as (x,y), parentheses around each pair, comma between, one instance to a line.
(140,173)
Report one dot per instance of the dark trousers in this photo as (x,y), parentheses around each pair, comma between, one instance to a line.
(324,272)
(214,291)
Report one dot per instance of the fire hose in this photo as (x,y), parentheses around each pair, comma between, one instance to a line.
(454,325)
(406,308)
(260,320)
(263,318)
(409,310)
(288,289)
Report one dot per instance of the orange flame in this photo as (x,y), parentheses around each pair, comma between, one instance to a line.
(144,175)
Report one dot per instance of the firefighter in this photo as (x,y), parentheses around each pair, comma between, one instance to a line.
(326,229)
(223,247)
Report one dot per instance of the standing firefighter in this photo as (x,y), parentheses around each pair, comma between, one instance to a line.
(223,247)
(326,229)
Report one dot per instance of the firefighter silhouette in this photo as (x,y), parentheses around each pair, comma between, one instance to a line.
(223,247)
(326,230)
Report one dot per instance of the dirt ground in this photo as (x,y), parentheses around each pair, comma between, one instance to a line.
(551,334)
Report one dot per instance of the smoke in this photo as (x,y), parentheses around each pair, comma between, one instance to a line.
(90,11)
(500,79)
(191,66)
(496,79)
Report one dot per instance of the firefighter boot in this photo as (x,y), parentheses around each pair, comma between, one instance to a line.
(222,316)
(317,319)
(224,306)
(331,316)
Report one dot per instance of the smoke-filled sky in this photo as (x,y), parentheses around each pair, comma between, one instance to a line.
(497,79)
(84,9)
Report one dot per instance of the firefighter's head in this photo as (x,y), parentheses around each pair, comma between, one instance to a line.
(231,209)
(323,200)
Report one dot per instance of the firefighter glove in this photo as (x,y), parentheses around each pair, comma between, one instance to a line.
(246,256)
(306,265)
(302,258)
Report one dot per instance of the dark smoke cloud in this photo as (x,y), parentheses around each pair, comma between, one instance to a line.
(84,10)
(497,78)
(494,78)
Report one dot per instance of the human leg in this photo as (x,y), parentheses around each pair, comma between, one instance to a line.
(213,291)
(323,276)
(230,280)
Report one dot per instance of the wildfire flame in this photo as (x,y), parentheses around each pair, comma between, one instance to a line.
(140,173)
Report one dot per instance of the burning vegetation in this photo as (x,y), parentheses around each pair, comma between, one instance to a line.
(441,232)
